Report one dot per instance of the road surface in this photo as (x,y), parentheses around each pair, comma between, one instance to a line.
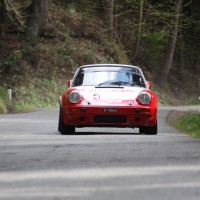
(36,162)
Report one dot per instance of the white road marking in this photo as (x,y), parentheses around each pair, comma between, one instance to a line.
(95,173)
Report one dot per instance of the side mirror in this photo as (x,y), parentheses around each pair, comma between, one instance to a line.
(148,84)
(69,83)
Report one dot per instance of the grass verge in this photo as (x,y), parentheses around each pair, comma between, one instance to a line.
(188,122)
(6,105)
(40,93)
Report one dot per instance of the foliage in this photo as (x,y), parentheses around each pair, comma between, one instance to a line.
(189,124)
(3,100)
(31,52)
(3,94)
(5,103)
(16,11)
(11,61)
(155,44)
(3,108)
(42,93)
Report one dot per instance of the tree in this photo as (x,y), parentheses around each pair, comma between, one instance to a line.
(3,19)
(162,76)
(139,29)
(111,17)
(37,18)
(12,13)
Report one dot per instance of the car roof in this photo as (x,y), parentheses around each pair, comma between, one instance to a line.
(111,65)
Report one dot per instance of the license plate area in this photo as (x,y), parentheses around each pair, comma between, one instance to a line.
(110,119)
(110,110)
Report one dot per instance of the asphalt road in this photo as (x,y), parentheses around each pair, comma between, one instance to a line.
(36,162)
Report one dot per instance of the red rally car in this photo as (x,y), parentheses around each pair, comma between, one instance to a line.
(108,95)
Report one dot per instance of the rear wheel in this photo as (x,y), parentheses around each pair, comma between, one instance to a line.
(149,130)
(62,128)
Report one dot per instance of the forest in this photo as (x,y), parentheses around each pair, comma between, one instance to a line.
(42,42)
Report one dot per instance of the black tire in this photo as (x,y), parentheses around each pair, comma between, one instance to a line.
(62,128)
(142,129)
(149,130)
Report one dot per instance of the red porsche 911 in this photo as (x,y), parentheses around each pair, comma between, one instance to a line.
(108,95)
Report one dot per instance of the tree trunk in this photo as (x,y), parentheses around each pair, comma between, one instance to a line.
(111,17)
(182,60)
(139,29)
(38,16)
(3,20)
(162,76)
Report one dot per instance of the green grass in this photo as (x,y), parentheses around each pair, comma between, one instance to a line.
(3,108)
(43,93)
(4,101)
(189,124)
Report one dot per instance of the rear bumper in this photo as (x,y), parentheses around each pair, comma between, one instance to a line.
(110,116)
